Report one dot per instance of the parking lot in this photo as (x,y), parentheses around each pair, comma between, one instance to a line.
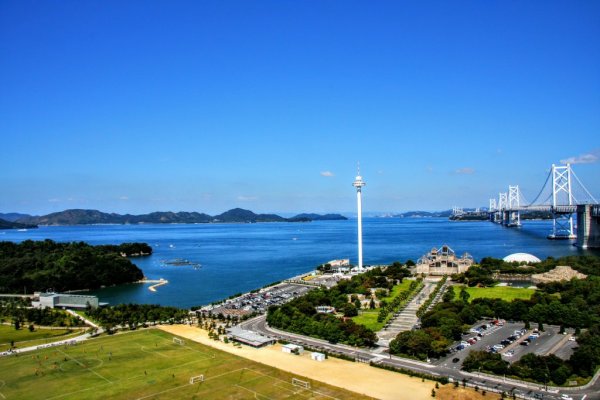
(259,301)
(506,339)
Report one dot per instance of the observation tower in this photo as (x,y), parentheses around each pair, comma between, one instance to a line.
(358,184)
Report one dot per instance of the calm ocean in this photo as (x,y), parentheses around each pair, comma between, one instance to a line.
(241,257)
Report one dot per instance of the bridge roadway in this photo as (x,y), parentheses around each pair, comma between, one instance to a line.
(378,356)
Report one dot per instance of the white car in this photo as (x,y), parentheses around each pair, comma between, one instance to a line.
(565,397)
(572,338)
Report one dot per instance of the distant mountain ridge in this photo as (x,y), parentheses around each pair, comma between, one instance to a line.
(12,217)
(92,217)
(423,214)
(4,224)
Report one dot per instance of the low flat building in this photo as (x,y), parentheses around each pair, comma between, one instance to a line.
(317,356)
(443,261)
(65,300)
(292,348)
(249,338)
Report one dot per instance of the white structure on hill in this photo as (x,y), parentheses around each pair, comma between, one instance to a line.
(443,261)
(521,258)
(64,300)
(358,184)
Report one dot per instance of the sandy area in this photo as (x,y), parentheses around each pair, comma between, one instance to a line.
(449,392)
(357,377)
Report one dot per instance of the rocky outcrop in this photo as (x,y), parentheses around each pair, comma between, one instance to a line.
(560,273)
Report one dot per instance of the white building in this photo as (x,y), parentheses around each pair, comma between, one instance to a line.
(64,300)
(292,348)
(317,356)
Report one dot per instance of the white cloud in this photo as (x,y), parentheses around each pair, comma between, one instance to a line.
(465,171)
(124,198)
(54,200)
(247,198)
(328,174)
(587,158)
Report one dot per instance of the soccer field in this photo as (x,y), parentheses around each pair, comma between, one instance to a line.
(148,365)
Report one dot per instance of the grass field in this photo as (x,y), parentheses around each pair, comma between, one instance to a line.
(507,293)
(368,318)
(148,365)
(24,338)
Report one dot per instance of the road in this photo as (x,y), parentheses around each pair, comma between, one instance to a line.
(380,356)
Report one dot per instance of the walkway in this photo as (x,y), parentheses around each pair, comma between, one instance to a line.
(407,318)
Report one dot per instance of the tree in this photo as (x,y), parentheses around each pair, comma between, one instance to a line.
(449,295)
(464,295)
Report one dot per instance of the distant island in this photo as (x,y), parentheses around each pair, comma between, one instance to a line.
(94,217)
(421,214)
(4,224)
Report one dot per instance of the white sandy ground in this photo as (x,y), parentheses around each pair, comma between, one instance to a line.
(356,377)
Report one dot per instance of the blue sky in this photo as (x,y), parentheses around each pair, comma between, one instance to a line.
(137,106)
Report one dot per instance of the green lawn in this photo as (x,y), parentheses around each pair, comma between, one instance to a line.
(148,365)
(507,293)
(24,338)
(368,318)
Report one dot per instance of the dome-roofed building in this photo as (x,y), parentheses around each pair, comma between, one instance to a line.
(522,258)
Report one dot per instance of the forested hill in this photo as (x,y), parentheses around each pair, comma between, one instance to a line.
(15,225)
(38,266)
(90,217)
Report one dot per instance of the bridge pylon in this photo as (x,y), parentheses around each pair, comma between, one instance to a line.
(492,210)
(562,225)
(514,214)
(502,207)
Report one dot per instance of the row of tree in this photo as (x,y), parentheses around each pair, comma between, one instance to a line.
(41,265)
(133,315)
(18,314)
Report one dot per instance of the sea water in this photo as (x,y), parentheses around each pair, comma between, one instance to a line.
(240,257)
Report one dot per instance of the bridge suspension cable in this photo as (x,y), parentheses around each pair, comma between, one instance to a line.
(542,190)
(584,188)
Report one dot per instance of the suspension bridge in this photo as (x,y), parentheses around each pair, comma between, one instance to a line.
(563,196)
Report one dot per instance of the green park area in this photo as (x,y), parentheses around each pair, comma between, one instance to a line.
(148,364)
(24,337)
(507,293)
(368,317)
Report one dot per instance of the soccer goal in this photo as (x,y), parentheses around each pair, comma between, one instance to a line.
(178,341)
(299,383)
(194,379)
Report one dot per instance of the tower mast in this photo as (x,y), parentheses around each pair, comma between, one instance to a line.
(358,184)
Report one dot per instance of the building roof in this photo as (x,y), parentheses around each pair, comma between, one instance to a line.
(522,257)
(249,337)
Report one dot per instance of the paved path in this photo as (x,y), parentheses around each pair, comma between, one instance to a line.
(407,318)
